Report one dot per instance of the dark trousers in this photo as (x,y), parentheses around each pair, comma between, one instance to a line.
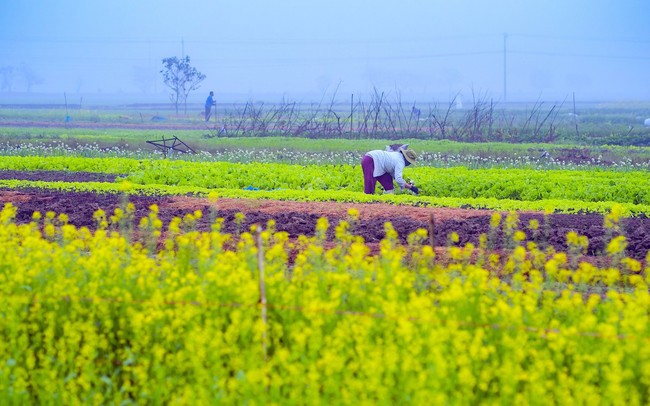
(369,181)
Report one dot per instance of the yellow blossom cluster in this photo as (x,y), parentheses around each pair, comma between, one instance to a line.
(174,316)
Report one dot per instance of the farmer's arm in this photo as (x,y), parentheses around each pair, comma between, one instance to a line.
(399,168)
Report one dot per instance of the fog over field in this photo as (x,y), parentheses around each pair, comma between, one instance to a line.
(301,50)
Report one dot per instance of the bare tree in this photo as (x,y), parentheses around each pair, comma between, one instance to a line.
(182,78)
(442,120)
(143,78)
(79,84)
(534,114)
(8,75)
(29,77)
(475,120)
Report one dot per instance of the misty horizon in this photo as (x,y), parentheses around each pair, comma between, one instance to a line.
(425,51)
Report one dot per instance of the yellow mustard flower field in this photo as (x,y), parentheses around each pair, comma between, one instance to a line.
(154,312)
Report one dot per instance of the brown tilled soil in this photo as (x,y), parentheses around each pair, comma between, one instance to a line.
(299,218)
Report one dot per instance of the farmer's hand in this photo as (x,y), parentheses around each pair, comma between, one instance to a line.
(415,190)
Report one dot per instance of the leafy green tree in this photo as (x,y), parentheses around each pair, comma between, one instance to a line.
(181,78)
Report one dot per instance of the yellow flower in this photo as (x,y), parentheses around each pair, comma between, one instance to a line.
(495,220)
(617,245)
(354,214)
(126,186)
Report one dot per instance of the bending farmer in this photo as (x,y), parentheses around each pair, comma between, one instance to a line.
(384,166)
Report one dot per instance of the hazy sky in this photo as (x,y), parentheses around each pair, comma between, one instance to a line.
(303,49)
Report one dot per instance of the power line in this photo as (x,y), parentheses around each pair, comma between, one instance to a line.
(590,39)
(580,55)
(90,40)
(334,59)
(267,40)
(246,41)
(306,60)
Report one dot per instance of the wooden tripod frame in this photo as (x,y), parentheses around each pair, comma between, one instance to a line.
(169,145)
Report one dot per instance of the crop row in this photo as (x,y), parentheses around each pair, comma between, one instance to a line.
(558,206)
(336,152)
(96,317)
(631,188)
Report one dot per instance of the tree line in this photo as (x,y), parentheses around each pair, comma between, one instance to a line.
(22,75)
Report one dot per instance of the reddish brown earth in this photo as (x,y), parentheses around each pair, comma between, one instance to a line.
(299,218)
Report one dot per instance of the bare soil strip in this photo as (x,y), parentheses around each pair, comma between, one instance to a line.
(299,218)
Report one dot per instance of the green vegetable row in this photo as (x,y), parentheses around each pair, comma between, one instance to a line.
(73,164)
(558,206)
(461,183)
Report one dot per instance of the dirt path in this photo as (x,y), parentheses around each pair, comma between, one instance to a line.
(299,218)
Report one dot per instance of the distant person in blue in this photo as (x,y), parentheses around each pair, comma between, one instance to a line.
(209,102)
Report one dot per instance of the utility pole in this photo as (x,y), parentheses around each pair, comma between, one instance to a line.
(150,75)
(182,48)
(505,94)
(351,111)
